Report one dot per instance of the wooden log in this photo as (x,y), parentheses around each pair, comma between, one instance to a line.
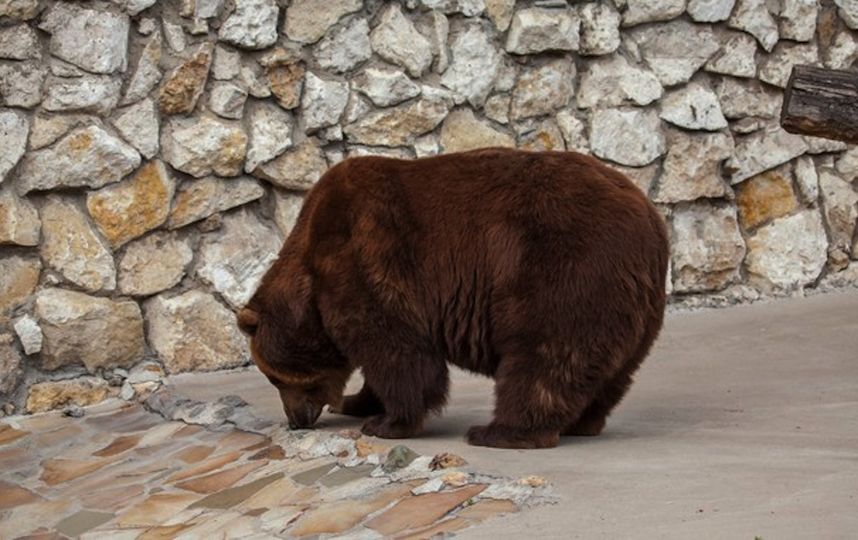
(822,103)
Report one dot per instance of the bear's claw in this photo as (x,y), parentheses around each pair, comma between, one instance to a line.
(382,426)
(502,437)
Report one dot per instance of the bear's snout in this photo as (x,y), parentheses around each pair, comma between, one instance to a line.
(303,416)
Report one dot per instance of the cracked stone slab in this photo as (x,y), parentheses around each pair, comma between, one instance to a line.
(763,150)
(92,39)
(474,65)
(79,328)
(87,156)
(675,50)
(194,332)
(14,129)
(306,21)
(253,24)
(234,261)
(630,137)
(396,39)
(708,247)
(19,276)
(72,247)
(534,30)
(205,145)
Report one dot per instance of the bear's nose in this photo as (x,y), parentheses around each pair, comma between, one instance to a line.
(304,417)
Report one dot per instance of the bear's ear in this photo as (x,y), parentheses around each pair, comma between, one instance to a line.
(248,320)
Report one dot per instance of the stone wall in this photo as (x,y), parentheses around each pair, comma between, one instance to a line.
(154,154)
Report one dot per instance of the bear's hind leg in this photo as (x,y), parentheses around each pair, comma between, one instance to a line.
(592,421)
(530,411)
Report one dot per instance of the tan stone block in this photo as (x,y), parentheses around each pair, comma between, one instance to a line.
(25,519)
(133,207)
(462,131)
(397,126)
(58,470)
(97,332)
(118,445)
(153,264)
(299,168)
(341,516)
(19,220)
(155,509)
(9,434)
(182,88)
(420,511)
(219,480)
(71,246)
(82,391)
(286,80)
(199,199)
(205,467)
(194,331)
(273,495)
(111,499)
(765,197)
(12,495)
(194,454)
(11,364)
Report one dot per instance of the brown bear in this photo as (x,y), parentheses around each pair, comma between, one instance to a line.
(543,270)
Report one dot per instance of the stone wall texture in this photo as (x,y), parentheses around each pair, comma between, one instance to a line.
(153,155)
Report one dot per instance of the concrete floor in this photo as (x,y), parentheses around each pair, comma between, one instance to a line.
(743,422)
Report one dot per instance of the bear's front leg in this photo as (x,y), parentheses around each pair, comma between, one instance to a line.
(408,388)
(363,404)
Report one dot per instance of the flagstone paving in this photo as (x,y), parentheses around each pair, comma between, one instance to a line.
(122,471)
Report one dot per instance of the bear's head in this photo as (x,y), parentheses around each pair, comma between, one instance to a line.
(290,347)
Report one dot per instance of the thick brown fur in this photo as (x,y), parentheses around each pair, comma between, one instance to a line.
(545,271)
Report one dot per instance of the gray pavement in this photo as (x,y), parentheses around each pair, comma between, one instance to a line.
(742,423)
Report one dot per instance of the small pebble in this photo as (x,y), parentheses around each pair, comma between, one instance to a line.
(114,379)
(146,26)
(9,409)
(365,448)
(127,392)
(146,372)
(199,27)
(455,479)
(533,481)
(146,388)
(446,461)
(428,487)
(398,458)
(74,411)
(232,401)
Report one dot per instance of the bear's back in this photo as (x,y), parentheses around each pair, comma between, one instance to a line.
(539,194)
